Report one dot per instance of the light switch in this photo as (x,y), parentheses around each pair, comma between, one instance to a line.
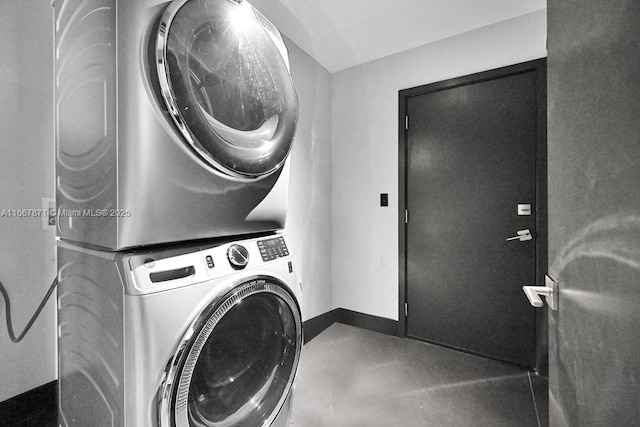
(384,199)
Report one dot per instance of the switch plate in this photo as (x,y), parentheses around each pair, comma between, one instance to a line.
(384,199)
(48,212)
(524,209)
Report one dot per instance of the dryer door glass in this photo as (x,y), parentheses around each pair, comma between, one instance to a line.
(224,74)
(240,367)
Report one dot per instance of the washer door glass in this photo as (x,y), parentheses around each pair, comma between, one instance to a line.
(225,77)
(241,364)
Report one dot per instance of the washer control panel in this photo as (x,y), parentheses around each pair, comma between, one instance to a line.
(238,256)
(271,249)
(156,270)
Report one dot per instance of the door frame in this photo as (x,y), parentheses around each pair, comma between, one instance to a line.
(541,260)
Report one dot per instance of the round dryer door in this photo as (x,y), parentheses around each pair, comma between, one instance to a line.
(224,74)
(236,363)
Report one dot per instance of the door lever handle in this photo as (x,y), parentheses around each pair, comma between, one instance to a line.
(549,291)
(523,236)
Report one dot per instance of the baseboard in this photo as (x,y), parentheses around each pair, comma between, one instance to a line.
(367,321)
(313,327)
(37,407)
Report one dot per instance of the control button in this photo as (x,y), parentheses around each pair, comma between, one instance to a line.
(238,256)
(210,263)
(273,249)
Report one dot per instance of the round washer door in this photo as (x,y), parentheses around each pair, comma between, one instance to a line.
(237,361)
(224,75)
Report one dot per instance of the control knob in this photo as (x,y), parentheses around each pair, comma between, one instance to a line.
(238,256)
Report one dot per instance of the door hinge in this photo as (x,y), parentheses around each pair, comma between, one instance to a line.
(406,122)
(406,216)
(406,309)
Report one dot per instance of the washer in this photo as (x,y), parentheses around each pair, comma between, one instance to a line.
(174,121)
(205,335)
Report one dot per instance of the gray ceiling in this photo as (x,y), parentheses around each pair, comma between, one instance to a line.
(340,34)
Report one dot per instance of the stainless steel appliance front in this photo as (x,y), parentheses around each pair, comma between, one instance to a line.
(176,337)
(175,124)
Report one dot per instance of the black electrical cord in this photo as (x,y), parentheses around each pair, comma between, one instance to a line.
(7,305)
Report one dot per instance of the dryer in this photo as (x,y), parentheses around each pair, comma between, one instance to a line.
(174,121)
(205,335)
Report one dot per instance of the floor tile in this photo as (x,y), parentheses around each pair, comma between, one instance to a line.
(354,377)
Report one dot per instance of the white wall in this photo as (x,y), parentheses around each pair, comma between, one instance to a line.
(365,150)
(27,252)
(309,216)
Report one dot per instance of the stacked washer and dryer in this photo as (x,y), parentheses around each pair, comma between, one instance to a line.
(177,298)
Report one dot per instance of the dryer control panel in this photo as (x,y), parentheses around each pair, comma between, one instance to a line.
(271,249)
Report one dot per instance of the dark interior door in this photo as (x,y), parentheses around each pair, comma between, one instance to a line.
(594,213)
(471,160)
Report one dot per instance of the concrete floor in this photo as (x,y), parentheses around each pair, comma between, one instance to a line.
(354,377)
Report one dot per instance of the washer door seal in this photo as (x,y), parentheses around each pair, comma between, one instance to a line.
(224,75)
(237,360)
